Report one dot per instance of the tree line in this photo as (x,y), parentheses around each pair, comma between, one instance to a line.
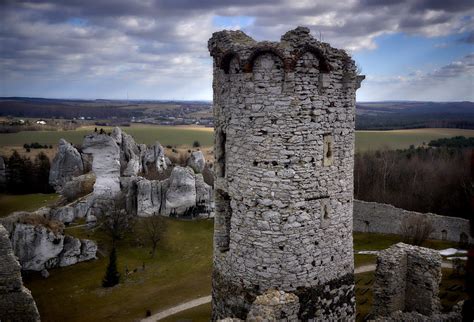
(437,180)
(26,175)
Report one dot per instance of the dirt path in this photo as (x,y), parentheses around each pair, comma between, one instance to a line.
(178,308)
(207,299)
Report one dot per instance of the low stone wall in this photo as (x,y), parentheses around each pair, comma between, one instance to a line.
(376,217)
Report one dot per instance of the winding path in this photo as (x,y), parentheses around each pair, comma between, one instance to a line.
(207,299)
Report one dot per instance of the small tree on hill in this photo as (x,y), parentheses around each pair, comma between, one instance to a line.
(112,276)
(154,228)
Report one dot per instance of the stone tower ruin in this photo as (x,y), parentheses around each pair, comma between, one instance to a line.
(284,144)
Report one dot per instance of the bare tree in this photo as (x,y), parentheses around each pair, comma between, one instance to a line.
(154,228)
(416,229)
(115,219)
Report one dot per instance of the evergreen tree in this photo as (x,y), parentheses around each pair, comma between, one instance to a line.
(112,276)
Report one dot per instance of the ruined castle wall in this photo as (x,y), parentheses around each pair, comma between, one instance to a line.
(16,302)
(386,219)
(284,124)
(407,279)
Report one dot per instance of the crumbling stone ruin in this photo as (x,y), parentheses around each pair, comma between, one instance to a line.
(284,145)
(16,302)
(406,285)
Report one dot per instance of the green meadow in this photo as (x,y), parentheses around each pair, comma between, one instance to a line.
(185,136)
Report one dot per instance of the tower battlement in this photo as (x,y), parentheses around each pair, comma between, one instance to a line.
(284,144)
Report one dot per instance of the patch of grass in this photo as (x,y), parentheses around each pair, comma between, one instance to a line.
(29,202)
(201,313)
(362,260)
(180,271)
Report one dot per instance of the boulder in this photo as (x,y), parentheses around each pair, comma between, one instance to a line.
(105,163)
(155,158)
(78,186)
(149,197)
(129,188)
(196,161)
(130,153)
(66,164)
(64,214)
(88,250)
(36,246)
(181,192)
(71,251)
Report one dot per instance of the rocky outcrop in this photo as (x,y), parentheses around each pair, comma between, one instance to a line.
(105,164)
(197,161)
(16,302)
(155,158)
(149,197)
(78,186)
(66,164)
(182,194)
(41,244)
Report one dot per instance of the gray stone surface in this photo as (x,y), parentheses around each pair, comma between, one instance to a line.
(154,157)
(382,218)
(150,197)
(407,279)
(66,164)
(78,186)
(181,191)
(274,305)
(16,302)
(38,247)
(197,161)
(284,144)
(105,164)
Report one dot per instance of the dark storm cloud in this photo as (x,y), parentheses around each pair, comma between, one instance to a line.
(159,41)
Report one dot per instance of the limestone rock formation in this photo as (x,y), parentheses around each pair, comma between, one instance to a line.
(78,186)
(41,244)
(149,197)
(66,164)
(197,161)
(36,246)
(105,164)
(16,302)
(181,192)
(155,158)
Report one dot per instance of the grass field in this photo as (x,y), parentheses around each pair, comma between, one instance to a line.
(29,202)
(181,270)
(185,136)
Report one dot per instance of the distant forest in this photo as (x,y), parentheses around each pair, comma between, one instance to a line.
(438,178)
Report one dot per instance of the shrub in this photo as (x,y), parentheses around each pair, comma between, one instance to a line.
(416,229)
(196,144)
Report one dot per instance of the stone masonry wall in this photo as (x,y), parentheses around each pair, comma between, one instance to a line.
(284,144)
(382,218)
(407,279)
(16,302)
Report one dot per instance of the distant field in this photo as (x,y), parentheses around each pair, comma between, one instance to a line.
(148,134)
(400,139)
(185,136)
(11,203)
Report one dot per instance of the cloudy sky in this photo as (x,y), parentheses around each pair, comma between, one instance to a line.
(157,49)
